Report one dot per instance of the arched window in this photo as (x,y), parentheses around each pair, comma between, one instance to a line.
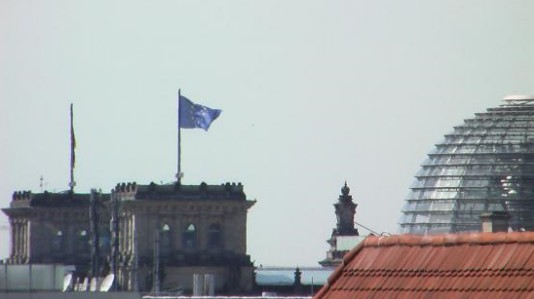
(57,242)
(82,242)
(165,240)
(105,240)
(214,236)
(189,237)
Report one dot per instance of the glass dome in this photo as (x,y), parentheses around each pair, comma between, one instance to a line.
(484,165)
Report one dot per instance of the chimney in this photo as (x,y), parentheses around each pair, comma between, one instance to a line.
(496,221)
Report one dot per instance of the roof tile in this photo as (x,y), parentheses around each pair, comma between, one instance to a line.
(476,265)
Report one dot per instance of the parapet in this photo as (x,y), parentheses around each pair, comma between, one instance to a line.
(21,199)
(177,191)
(21,195)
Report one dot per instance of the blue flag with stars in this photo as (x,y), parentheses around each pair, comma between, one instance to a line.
(196,116)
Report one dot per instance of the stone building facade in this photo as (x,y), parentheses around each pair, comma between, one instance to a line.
(190,229)
(173,230)
(54,228)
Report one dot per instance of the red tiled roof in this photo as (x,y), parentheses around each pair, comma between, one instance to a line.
(476,265)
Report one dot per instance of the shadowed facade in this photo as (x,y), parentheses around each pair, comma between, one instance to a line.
(189,229)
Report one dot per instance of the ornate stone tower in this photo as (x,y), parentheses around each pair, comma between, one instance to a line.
(344,236)
(345,211)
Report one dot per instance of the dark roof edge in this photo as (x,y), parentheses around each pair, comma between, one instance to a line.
(450,239)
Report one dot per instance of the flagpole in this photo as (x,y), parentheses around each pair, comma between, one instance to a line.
(72,146)
(178,173)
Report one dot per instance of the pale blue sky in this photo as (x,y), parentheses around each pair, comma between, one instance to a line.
(313,93)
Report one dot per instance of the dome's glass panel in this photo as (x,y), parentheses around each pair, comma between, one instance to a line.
(484,165)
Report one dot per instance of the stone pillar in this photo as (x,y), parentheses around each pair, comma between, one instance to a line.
(24,240)
(17,241)
(128,235)
(135,266)
(13,238)
(122,235)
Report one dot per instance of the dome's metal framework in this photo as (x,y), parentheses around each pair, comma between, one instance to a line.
(484,165)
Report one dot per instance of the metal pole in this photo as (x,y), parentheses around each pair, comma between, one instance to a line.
(312,286)
(72,147)
(156,261)
(115,233)
(372,231)
(135,281)
(93,218)
(179,174)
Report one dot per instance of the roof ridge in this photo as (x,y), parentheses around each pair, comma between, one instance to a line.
(449,239)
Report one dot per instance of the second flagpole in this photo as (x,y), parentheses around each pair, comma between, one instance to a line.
(72,150)
(178,173)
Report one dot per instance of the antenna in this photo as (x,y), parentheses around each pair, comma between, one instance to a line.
(372,231)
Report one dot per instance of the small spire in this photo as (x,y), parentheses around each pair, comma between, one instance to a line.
(298,277)
(345,190)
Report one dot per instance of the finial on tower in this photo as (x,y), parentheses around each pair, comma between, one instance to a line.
(345,190)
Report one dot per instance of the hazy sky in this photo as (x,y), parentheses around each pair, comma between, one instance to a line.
(313,93)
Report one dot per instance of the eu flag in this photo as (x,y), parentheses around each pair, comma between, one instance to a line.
(196,116)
